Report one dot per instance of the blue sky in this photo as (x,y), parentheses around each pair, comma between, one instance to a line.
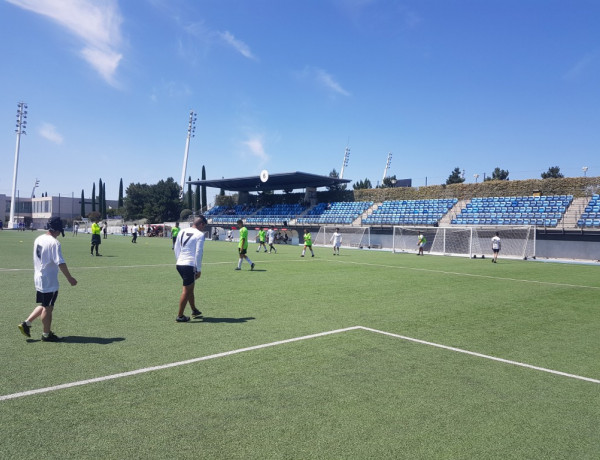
(286,85)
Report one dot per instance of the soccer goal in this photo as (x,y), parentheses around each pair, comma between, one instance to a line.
(517,242)
(352,237)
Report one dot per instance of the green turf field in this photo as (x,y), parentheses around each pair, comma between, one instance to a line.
(248,391)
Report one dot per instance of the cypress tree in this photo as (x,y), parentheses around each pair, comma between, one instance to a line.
(120,204)
(204,203)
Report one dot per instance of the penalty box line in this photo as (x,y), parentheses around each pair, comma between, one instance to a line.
(169,365)
(282,342)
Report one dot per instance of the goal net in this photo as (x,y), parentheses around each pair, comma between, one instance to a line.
(352,237)
(517,242)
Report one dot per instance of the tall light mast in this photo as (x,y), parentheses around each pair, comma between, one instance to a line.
(387,166)
(345,163)
(190,133)
(21,126)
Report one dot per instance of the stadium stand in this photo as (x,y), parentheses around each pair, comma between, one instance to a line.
(410,212)
(590,218)
(228,216)
(340,212)
(279,214)
(544,211)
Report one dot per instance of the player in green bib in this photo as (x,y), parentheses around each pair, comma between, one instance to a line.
(307,243)
(174,233)
(262,235)
(243,246)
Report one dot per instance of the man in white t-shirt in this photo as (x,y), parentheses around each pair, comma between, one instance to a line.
(271,239)
(496,246)
(336,238)
(47,261)
(189,248)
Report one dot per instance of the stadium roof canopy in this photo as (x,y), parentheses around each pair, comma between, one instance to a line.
(284,181)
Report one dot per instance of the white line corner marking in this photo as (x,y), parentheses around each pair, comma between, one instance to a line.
(282,342)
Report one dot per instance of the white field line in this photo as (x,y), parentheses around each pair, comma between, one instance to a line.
(479,355)
(473,275)
(282,342)
(169,365)
(366,264)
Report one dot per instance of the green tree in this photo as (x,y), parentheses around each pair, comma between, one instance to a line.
(455,177)
(552,173)
(498,174)
(100,209)
(389,182)
(82,204)
(120,204)
(204,203)
(94,196)
(104,200)
(335,187)
(157,203)
(362,184)
(197,206)
(190,198)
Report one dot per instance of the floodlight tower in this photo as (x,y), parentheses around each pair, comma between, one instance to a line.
(21,127)
(190,133)
(345,163)
(387,166)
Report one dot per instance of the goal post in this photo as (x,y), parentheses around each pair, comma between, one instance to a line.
(517,241)
(352,237)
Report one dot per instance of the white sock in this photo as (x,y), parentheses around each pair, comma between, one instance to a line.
(239,263)
(249,261)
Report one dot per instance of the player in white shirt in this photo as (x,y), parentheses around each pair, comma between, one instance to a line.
(47,261)
(496,246)
(271,240)
(189,248)
(336,238)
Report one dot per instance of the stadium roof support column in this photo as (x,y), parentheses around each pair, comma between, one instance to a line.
(310,196)
(243,197)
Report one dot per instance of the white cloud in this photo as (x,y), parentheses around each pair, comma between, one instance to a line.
(255,146)
(48,131)
(323,79)
(96,23)
(238,45)
(579,68)
(328,82)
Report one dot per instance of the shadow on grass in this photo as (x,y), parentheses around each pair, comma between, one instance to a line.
(209,319)
(98,340)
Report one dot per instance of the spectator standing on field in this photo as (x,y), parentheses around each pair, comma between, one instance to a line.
(75,228)
(134,233)
(174,233)
(271,239)
(496,246)
(421,241)
(47,261)
(96,240)
(336,238)
(243,246)
(189,248)
(307,243)
(105,229)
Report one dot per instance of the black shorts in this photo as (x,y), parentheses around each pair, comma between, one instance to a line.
(96,239)
(46,299)
(242,251)
(495,251)
(187,273)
